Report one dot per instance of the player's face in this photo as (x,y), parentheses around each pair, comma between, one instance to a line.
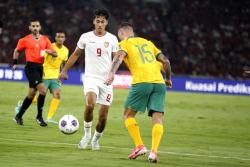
(121,34)
(60,38)
(100,24)
(35,27)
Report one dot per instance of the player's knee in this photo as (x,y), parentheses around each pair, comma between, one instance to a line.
(57,95)
(90,106)
(128,113)
(42,92)
(31,95)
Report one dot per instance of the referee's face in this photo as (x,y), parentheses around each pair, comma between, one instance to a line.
(35,27)
(100,23)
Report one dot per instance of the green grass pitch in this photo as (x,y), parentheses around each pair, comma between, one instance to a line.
(200,131)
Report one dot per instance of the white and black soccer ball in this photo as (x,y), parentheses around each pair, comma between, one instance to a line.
(68,124)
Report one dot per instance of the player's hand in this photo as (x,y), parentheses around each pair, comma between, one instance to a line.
(64,75)
(14,66)
(110,78)
(59,81)
(51,52)
(48,51)
(168,83)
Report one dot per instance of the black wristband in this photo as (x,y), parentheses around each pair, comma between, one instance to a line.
(14,61)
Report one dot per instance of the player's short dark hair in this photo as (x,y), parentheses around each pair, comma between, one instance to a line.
(60,31)
(101,12)
(125,24)
(34,20)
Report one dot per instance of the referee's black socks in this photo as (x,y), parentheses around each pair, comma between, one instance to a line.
(40,104)
(25,105)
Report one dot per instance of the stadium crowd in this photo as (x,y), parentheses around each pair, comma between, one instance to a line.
(201,37)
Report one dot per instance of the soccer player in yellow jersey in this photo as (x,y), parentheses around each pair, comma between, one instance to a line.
(51,71)
(148,86)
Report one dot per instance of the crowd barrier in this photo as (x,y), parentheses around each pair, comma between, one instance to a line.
(123,80)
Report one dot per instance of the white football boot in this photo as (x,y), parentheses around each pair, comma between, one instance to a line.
(84,142)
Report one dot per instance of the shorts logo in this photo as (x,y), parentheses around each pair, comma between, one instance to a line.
(106,44)
(108,98)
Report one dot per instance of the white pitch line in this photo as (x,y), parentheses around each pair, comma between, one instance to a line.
(164,152)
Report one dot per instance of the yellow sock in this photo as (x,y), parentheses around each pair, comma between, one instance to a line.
(157,133)
(53,107)
(134,131)
(34,100)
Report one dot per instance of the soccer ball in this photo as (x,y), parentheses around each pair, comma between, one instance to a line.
(68,124)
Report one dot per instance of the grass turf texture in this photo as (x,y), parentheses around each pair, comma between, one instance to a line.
(200,130)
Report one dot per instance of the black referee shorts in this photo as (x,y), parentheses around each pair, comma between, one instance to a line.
(34,73)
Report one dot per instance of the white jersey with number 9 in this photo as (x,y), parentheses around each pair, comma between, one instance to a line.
(98,53)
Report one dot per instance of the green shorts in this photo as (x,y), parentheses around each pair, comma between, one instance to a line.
(51,84)
(146,95)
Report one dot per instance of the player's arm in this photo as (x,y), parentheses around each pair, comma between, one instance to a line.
(20,46)
(51,52)
(49,48)
(167,68)
(117,60)
(64,60)
(63,64)
(15,57)
(71,61)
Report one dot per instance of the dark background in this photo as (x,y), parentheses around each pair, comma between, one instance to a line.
(205,38)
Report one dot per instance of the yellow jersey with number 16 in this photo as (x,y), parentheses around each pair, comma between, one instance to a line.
(141,60)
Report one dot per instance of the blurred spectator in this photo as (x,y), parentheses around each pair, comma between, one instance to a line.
(202,37)
(73,17)
(1,27)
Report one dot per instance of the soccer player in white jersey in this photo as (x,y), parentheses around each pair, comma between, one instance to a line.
(99,46)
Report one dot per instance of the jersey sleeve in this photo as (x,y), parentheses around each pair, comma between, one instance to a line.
(49,44)
(66,55)
(21,44)
(115,46)
(123,47)
(156,51)
(81,42)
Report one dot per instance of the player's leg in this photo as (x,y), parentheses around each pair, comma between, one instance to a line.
(55,89)
(103,114)
(40,86)
(34,101)
(104,100)
(40,103)
(89,106)
(90,100)
(25,105)
(29,72)
(157,132)
(136,101)
(102,119)
(156,110)
(134,132)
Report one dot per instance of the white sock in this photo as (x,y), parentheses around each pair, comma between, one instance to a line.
(96,136)
(87,129)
